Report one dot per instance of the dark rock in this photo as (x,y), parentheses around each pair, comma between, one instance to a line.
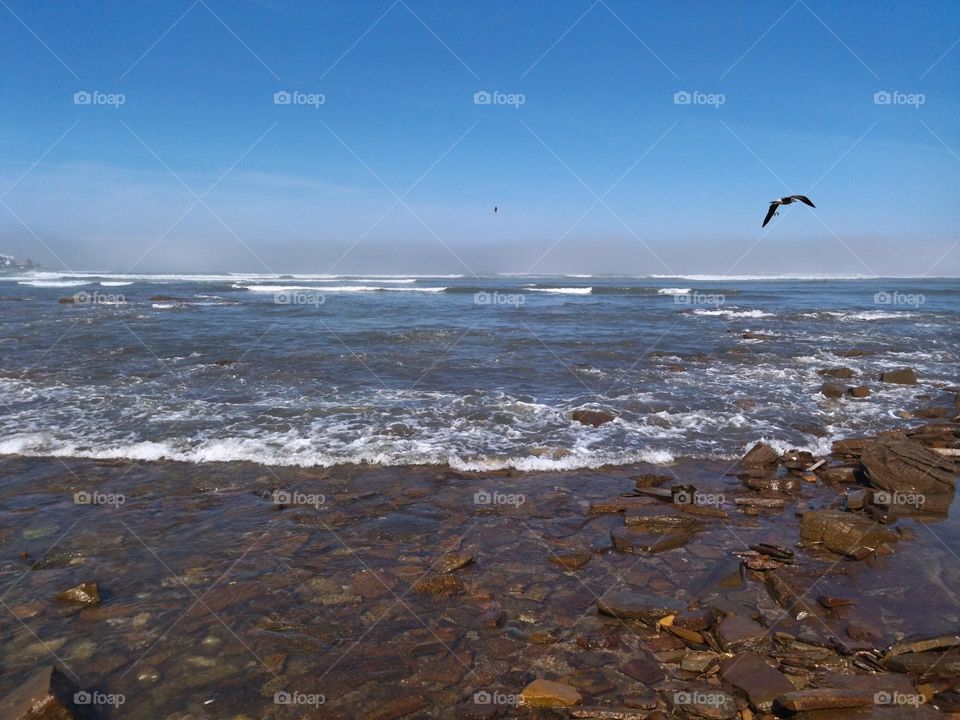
(824,699)
(760,455)
(440,585)
(843,532)
(637,540)
(841,474)
(832,390)
(47,695)
(761,682)
(857,499)
(547,694)
(595,418)
(570,559)
(926,665)
(906,376)
(224,363)
(706,701)
(906,466)
(860,391)
(739,634)
(452,563)
(631,605)
(643,669)
(398,708)
(838,372)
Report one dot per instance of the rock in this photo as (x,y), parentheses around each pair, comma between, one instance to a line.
(643,669)
(609,713)
(697,661)
(631,605)
(857,499)
(595,418)
(850,353)
(571,559)
(906,376)
(738,634)
(46,695)
(706,701)
(860,391)
(548,694)
(917,645)
(760,455)
(850,447)
(653,519)
(761,682)
(824,699)
(398,708)
(224,363)
(906,466)
(926,665)
(829,601)
(843,532)
(67,301)
(452,563)
(838,372)
(440,585)
(87,593)
(637,540)
(843,474)
(832,390)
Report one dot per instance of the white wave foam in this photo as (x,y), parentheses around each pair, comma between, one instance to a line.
(115,283)
(674,291)
(54,283)
(734,313)
(562,290)
(336,288)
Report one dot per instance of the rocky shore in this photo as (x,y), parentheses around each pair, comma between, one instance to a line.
(786,585)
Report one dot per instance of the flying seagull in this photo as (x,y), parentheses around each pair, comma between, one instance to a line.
(775,205)
(495,209)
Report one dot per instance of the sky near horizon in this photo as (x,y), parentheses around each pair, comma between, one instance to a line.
(354,136)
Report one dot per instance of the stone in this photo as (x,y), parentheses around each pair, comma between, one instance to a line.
(905,376)
(594,418)
(837,372)
(85,594)
(857,499)
(760,455)
(398,708)
(643,669)
(824,699)
(632,605)
(452,563)
(833,390)
(761,682)
(737,634)
(843,532)
(706,701)
(47,695)
(549,694)
(859,391)
(906,466)
(637,540)
(440,585)
(570,559)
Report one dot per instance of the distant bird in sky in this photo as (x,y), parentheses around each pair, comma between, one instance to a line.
(495,209)
(775,205)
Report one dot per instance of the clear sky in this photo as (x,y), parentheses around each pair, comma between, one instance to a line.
(594,164)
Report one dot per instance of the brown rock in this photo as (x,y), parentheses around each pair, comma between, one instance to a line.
(737,634)
(595,418)
(547,694)
(398,708)
(838,372)
(87,593)
(440,585)
(843,532)
(47,695)
(643,669)
(637,540)
(452,563)
(860,391)
(760,455)
(832,390)
(761,682)
(631,605)
(571,559)
(906,376)
(899,465)
(824,699)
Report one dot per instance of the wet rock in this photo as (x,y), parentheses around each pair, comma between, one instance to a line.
(609,713)
(654,519)
(594,418)
(917,645)
(631,605)
(547,694)
(851,353)
(643,669)
(224,363)
(823,699)
(857,499)
(760,681)
(905,376)
(843,532)
(899,465)
(86,594)
(699,620)
(571,559)
(651,480)
(837,372)
(829,601)
(760,455)
(840,475)
(398,708)
(697,661)
(637,540)
(797,459)
(47,695)
(833,390)
(706,701)
(739,634)
(926,664)
(442,585)
(859,391)
(452,563)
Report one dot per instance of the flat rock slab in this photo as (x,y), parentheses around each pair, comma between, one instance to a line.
(740,634)
(399,708)
(761,682)
(906,466)
(609,713)
(643,669)
(638,540)
(704,701)
(629,605)
(825,699)
(547,694)
(843,532)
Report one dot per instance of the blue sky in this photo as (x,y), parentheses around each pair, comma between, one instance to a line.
(783,101)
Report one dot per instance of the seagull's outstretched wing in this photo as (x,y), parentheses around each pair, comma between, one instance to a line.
(770,212)
(804,199)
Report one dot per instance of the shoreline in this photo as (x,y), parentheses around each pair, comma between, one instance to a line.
(405,591)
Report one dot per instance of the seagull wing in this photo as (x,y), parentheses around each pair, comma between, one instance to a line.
(770,212)
(804,199)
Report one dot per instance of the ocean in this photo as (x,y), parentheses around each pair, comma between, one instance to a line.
(477,373)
